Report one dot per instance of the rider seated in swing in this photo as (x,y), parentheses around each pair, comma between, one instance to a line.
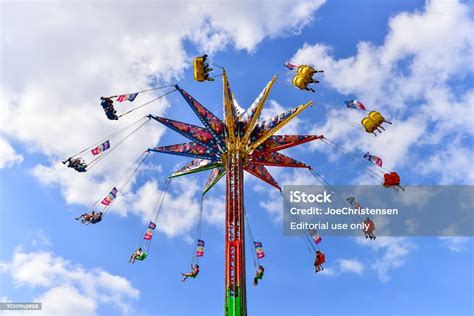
(111,114)
(306,84)
(206,69)
(86,217)
(311,79)
(81,167)
(72,162)
(318,261)
(106,102)
(194,272)
(96,218)
(369,227)
(206,65)
(137,255)
(76,163)
(258,275)
(108,106)
(206,77)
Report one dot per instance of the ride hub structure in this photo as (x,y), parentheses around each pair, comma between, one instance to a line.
(228,147)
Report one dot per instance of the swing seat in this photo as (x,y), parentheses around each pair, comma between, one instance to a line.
(199,75)
(369,125)
(376,117)
(391,179)
(306,72)
(300,82)
(142,256)
(95,220)
(198,67)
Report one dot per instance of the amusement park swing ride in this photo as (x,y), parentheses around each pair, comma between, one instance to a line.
(227,147)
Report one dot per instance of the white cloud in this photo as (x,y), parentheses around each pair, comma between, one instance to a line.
(66,300)
(248,23)
(329,271)
(455,161)
(40,239)
(56,72)
(181,207)
(391,253)
(417,196)
(8,156)
(214,210)
(413,37)
(350,265)
(147,199)
(341,266)
(274,204)
(412,79)
(455,244)
(68,288)
(179,214)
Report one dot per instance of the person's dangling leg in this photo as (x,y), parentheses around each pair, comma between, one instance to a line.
(186,275)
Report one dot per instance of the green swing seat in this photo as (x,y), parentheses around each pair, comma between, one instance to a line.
(142,256)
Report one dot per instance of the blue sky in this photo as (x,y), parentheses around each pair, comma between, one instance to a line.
(412,60)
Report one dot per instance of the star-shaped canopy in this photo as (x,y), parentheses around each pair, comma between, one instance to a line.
(240,130)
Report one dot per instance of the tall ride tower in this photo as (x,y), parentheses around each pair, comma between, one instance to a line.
(228,147)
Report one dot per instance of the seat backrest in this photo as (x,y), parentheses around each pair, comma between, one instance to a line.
(198,62)
(377,117)
(300,69)
(369,125)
